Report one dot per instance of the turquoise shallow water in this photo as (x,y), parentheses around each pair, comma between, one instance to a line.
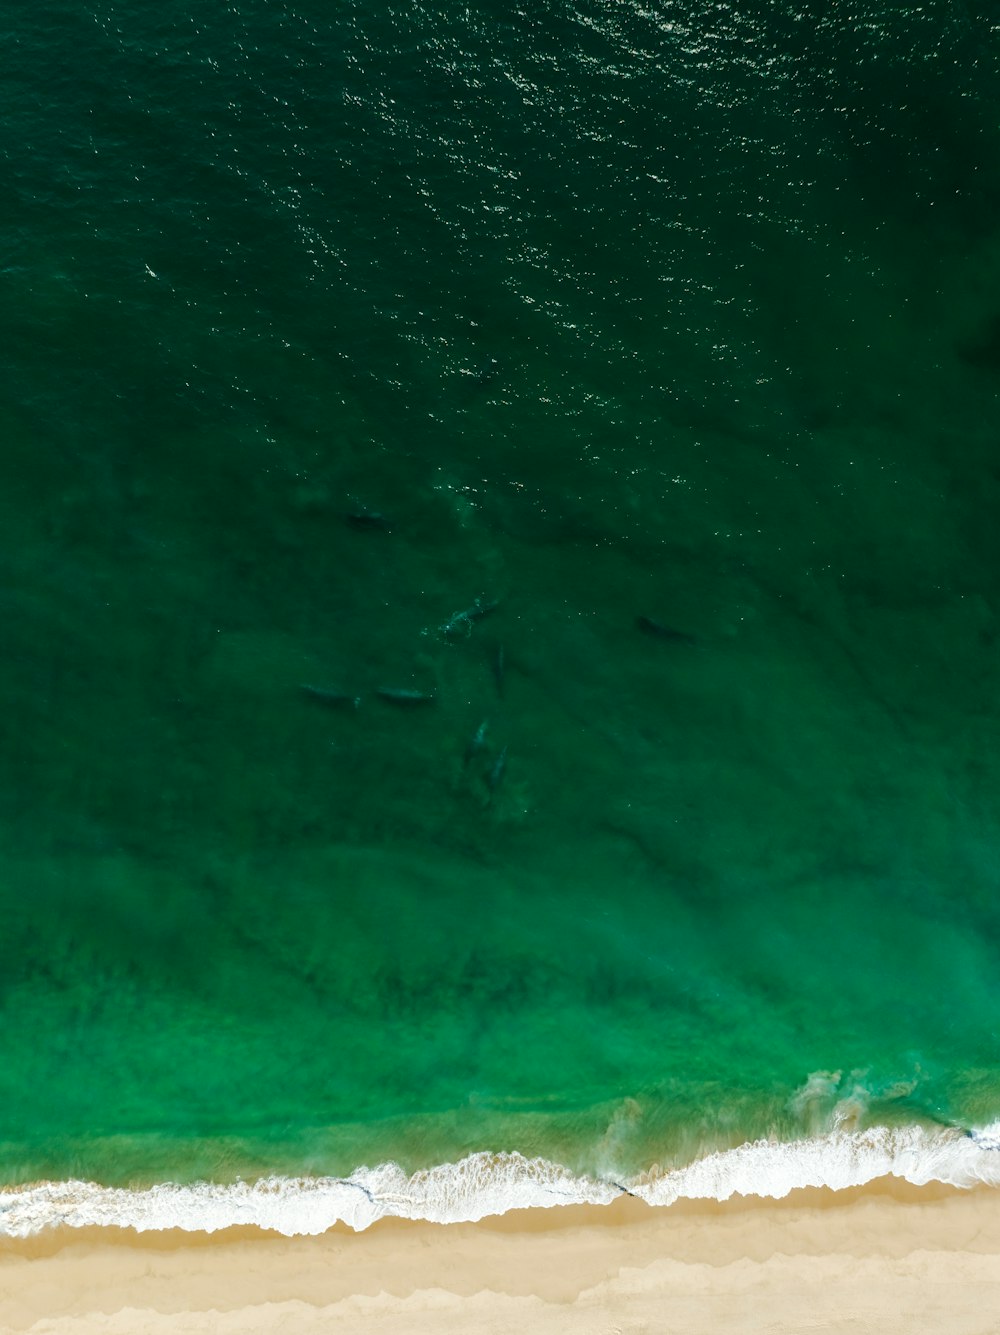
(598,312)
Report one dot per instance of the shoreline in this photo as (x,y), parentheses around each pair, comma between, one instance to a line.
(909,1258)
(486,1184)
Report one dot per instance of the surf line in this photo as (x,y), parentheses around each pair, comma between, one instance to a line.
(485,1184)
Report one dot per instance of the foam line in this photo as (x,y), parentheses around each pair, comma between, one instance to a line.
(490,1184)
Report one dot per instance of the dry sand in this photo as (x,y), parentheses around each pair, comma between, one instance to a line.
(885,1258)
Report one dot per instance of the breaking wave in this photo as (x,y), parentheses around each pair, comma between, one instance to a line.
(491,1184)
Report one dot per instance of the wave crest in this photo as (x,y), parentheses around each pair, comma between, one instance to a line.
(489,1184)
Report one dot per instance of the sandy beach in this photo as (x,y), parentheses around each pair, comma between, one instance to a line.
(887,1257)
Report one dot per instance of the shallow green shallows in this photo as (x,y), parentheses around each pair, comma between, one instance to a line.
(325,322)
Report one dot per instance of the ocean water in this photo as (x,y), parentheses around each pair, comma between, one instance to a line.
(621,378)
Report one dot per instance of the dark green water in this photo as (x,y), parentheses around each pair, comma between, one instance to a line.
(685,312)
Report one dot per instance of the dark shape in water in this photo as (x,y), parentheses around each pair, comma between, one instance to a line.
(658,631)
(476,742)
(369,521)
(332,699)
(982,350)
(499,665)
(403,695)
(480,379)
(460,623)
(497,770)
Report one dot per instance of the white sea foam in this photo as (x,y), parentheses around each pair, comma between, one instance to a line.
(988,1137)
(490,1184)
